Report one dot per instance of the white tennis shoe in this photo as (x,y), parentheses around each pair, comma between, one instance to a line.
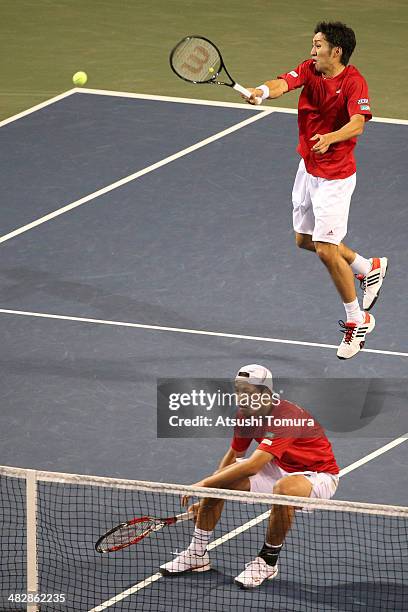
(255,573)
(354,336)
(371,283)
(187,561)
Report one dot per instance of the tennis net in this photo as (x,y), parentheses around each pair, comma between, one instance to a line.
(337,555)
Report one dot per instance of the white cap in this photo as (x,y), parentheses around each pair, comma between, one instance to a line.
(255,375)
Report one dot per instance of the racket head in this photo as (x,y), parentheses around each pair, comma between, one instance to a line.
(126,534)
(197,60)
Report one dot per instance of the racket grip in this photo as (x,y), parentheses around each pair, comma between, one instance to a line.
(246,93)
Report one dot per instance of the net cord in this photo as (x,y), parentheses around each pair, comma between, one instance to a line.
(226,494)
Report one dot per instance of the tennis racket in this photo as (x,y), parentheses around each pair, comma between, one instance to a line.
(197,60)
(133,531)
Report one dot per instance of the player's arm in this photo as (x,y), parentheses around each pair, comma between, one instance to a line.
(235,471)
(270,90)
(229,458)
(355,127)
(276,87)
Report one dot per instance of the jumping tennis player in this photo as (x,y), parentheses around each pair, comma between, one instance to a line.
(333,108)
(296,461)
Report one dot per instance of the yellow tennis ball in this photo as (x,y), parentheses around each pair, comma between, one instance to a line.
(211,69)
(80,78)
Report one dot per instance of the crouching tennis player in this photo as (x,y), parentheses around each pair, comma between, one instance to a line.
(298,462)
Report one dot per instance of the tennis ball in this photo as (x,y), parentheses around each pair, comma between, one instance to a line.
(80,78)
(211,69)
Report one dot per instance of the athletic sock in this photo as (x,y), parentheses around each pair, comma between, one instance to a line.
(200,541)
(270,553)
(361,265)
(354,312)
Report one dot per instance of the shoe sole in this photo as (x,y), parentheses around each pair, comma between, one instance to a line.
(203,568)
(379,291)
(362,343)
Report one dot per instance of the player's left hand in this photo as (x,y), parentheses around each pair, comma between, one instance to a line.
(322,144)
(185,498)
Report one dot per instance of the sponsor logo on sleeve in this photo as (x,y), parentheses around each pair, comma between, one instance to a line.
(364,107)
(294,74)
(362,101)
(266,441)
(269,434)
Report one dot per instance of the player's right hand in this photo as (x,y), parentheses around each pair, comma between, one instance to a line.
(256,95)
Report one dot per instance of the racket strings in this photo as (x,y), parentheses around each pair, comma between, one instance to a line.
(126,534)
(197,60)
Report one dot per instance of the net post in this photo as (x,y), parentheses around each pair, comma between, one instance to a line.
(32,570)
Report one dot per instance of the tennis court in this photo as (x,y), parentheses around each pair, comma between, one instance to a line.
(144,237)
(84,339)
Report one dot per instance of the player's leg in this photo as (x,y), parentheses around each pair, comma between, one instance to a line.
(342,277)
(370,272)
(331,202)
(195,558)
(303,217)
(265,565)
(305,241)
(308,484)
(210,508)
(281,517)
(304,188)
(342,266)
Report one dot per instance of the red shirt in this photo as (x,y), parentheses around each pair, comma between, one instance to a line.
(301,447)
(326,105)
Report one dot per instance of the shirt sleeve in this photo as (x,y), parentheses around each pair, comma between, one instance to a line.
(358,101)
(240,445)
(275,446)
(296,78)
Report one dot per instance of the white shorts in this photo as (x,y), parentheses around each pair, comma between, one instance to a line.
(324,485)
(321,206)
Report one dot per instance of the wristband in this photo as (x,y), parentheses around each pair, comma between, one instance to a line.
(265,91)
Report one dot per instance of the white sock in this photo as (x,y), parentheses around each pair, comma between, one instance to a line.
(361,265)
(353,312)
(200,541)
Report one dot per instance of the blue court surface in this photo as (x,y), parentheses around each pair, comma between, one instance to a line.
(131,224)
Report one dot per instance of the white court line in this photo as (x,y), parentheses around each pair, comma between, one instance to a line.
(134,176)
(181,330)
(374,454)
(37,107)
(228,536)
(262,112)
(242,105)
(136,96)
